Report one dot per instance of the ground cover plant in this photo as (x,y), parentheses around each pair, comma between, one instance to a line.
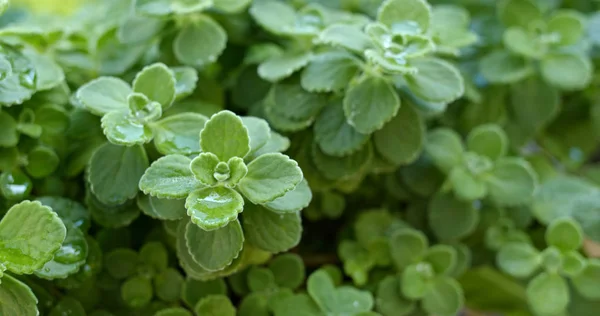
(299,157)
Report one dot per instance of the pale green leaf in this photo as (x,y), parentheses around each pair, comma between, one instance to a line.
(341,300)
(288,270)
(204,167)
(488,140)
(213,208)
(502,67)
(345,35)
(215,305)
(22,248)
(270,176)
(215,249)
(336,168)
(567,71)
(293,102)
(519,259)
(435,80)
(225,136)
(282,66)
(511,182)
(69,258)
(519,13)
(407,246)
(523,42)
(403,11)
(186,79)
(444,298)
(389,299)
(231,6)
(136,291)
(564,234)
(548,294)
(271,231)
(330,71)
(115,171)
(586,282)
(370,103)
(258,131)
(570,24)
(444,147)
(274,16)
(9,135)
(200,42)
(49,73)
(179,134)
(169,177)
(104,95)
(165,209)
(293,201)
(122,129)
(157,82)
(414,280)
(17,298)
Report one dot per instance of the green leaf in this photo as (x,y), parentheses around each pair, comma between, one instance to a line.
(586,282)
(450,28)
(122,129)
(567,71)
(167,285)
(282,66)
(213,208)
(564,234)
(435,80)
(341,300)
(69,258)
(271,231)
(186,79)
(293,201)
(548,294)
(114,172)
(444,147)
(221,125)
(258,131)
(519,13)
(370,103)
(157,82)
(522,42)
(67,305)
(22,249)
(15,185)
(41,162)
(49,73)
(334,135)
(204,168)
(231,6)
(103,95)
(401,140)
(9,135)
(345,35)
(194,290)
(274,16)
(215,305)
(444,298)
(572,263)
(519,259)
(336,168)
(569,24)
(442,259)
(17,298)
(488,140)
(215,249)
(330,71)
(200,42)
(501,67)
(393,12)
(288,270)
(261,279)
(169,177)
(277,143)
(270,176)
(511,182)
(155,255)
(172,311)
(451,219)
(466,185)
(69,211)
(164,209)
(296,305)
(179,134)
(389,300)
(136,291)
(293,102)
(112,216)
(407,246)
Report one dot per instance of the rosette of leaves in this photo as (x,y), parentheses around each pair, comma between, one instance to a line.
(23,250)
(481,170)
(548,291)
(199,39)
(367,61)
(236,171)
(535,39)
(325,296)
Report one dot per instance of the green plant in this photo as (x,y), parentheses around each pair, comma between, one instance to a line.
(299,157)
